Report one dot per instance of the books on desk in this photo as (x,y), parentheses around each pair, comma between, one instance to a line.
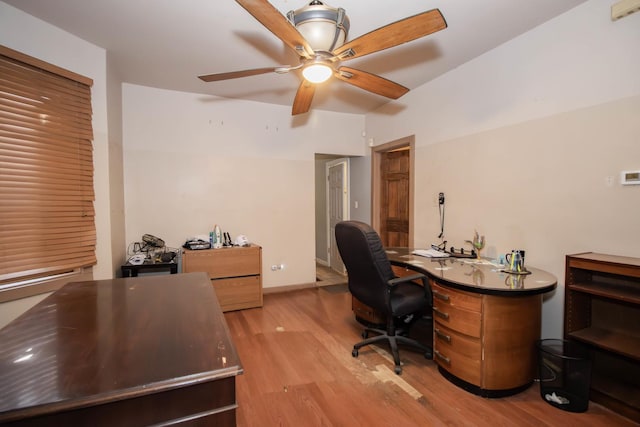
(430,253)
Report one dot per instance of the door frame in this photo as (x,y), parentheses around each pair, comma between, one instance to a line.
(346,198)
(376,179)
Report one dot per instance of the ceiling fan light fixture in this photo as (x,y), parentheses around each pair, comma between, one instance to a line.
(318,35)
(317,72)
(323,27)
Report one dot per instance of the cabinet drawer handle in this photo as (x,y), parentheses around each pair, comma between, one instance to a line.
(441,313)
(442,357)
(442,335)
(440,296)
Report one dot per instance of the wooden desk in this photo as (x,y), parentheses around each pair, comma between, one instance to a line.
(486,322)
(124,352)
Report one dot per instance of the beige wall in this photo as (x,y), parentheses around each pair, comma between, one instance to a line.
(522,141)
(539,186)
(193,161)
(116,178)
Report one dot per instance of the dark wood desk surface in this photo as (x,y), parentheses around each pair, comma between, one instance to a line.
(468,275)
(132,351)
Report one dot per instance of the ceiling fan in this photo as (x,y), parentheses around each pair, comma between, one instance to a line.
(318,33)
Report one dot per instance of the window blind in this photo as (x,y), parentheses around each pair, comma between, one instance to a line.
(47,218)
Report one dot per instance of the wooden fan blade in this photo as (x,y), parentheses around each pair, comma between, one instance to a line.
(278,24)
(394,34)
(304,96)
(371,82)
(237,74)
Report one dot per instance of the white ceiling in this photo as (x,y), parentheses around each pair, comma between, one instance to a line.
(167,43)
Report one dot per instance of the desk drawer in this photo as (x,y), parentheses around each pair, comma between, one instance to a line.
(224,262)
(463,321)
(238,292)
(456,298)
(458,354)
(451,341)
(367,313)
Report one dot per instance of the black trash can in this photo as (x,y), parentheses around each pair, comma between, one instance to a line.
(565,374)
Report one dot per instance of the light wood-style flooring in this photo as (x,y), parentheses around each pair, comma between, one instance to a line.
(326,276)
(298,371)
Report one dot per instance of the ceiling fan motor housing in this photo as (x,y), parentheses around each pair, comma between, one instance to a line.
(324,27)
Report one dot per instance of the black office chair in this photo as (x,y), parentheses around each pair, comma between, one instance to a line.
(371,281)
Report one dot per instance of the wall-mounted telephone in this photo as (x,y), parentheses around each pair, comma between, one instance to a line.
(441,209)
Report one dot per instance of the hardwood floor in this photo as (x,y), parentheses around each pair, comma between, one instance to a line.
(325,276)
(298,371)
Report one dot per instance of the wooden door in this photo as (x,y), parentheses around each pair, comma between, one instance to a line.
(394,197)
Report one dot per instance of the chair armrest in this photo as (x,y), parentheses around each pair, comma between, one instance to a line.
(425,284)
(410,278)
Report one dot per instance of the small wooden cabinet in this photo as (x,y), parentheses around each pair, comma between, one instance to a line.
(602,311)
(235,273)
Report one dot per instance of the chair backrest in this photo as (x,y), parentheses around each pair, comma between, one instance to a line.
(368,267)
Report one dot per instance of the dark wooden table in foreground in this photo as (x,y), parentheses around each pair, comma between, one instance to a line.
(124,352)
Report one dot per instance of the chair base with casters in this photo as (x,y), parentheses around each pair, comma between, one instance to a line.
(393,336)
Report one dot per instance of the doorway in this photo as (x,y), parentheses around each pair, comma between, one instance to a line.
(393,191)
(332,192)
(337,174)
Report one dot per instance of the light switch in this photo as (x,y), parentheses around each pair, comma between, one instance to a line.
(624,8)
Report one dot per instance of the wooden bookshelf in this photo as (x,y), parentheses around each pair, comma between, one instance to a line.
(602,311)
